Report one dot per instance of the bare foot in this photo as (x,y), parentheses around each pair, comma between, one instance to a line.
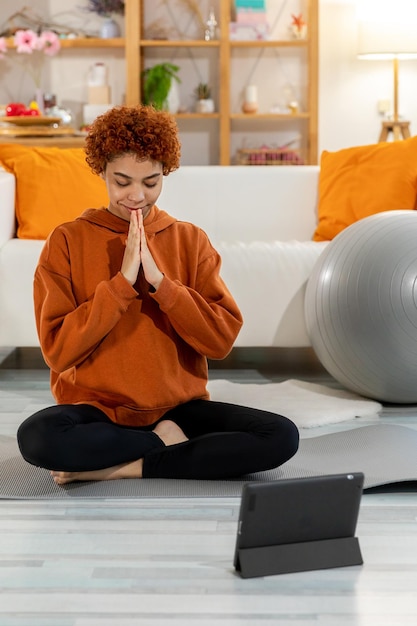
(170,433)
(167,431)
(126,470)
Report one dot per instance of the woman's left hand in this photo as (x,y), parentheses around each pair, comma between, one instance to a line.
(151,271)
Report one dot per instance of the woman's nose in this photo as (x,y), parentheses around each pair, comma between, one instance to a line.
(137,194)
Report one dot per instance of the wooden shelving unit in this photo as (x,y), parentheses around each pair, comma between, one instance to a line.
(136,47)
(225,119)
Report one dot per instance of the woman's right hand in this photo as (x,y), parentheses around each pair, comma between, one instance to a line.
(131,258)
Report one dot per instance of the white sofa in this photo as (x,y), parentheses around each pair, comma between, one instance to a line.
(261,220)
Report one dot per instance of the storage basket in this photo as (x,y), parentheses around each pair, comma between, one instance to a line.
(269,156)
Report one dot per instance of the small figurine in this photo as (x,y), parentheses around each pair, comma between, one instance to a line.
(298,26)
(210,34)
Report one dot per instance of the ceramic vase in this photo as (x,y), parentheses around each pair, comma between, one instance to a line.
(172,103)
(109,29)
(250,102)
(299,32)
(205,105)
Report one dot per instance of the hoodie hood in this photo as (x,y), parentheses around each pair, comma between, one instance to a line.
(155,221)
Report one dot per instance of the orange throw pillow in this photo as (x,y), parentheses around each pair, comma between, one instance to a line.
(357,182)
(53,186)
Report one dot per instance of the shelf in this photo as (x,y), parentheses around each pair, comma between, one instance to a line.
(196,116)
(175,43)
(270,116)
(269,43)
(83,42)
(93,42)
(119,42)
(200,43)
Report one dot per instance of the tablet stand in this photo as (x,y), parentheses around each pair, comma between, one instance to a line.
(298,557)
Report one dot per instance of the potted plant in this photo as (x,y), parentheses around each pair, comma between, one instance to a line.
(160,86)
(204,102)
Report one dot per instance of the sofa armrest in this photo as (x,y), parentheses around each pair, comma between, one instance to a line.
(7,206)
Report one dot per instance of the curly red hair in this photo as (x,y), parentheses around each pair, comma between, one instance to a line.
(139,130)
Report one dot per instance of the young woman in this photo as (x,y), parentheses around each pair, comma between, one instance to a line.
(129,305)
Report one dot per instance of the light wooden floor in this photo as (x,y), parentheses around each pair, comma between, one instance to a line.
(169,561)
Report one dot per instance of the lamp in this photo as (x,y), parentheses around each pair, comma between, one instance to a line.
(388,30)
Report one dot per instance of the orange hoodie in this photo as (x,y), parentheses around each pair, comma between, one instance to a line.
(131,351)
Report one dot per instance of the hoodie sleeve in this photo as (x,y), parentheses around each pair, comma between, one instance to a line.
(206,317)
(68,332)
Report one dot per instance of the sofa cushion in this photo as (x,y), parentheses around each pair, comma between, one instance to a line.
(268,281)
(18,260)
(53,185)
(360,181)
(242,203)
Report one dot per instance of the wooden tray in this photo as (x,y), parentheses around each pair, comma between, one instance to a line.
(37,131)
(29,120)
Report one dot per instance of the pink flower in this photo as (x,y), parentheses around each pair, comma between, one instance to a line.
(3,47)
(26,41)
(49,43)
(35,47)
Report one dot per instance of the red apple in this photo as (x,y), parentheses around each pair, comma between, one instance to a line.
(15,108)
(30,113)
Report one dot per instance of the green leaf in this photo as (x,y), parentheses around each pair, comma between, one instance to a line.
(157,82)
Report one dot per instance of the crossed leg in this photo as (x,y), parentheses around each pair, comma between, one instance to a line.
(197,440)
(167,431)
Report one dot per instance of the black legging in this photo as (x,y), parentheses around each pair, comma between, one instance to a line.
(225,441)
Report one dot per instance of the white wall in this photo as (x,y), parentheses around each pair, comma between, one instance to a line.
(349,89)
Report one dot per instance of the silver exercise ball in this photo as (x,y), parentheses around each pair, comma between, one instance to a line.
(361,307)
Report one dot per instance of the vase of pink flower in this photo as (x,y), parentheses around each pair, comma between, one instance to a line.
(34,48)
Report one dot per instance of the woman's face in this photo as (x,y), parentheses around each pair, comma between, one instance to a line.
(132,185)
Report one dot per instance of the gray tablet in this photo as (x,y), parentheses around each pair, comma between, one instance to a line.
(298,524)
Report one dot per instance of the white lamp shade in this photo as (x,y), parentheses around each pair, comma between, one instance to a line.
(387,29)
